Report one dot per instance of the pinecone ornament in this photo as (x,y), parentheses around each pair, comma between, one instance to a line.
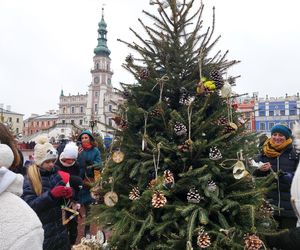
(222,121)
(215,154)
(216,76)
(180,129)
(203,239)
(157,111)
(193,196)
(252,242)
(266,209)
(158,199)
(120,122)
(230,127)
(168,179)
(144,74)
(134,194)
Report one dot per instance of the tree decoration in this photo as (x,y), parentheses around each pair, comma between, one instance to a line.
(239,170)
(118,156)
(180,129)
(193,196)
(186,146)
(266,209)
(120,122)
(158,199)
(96,193)
(129,59)
(222,121)
(110,199)
(168,179)
(230,127)
(157,111)
(252,242)
(226,90)
(134,194)
(144,74)
(217,78)
(215,154)
(185,97)
(203,239)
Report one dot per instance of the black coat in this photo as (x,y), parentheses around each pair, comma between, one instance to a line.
(286,164)
(48,210)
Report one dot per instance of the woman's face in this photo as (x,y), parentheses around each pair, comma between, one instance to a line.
(278,138)
(85,138)
(48,165)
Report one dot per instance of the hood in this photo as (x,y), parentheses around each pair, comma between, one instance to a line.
(10,182)
(87,132)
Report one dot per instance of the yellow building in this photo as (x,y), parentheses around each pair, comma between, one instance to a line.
(13,119)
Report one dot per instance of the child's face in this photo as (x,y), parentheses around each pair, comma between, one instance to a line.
(48,165)
(85,138)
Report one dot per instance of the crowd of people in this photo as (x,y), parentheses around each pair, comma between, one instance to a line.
(36,192)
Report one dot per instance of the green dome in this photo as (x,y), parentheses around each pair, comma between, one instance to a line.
(102,49)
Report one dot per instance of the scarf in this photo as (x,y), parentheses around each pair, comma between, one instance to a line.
(273,150)
(87,145)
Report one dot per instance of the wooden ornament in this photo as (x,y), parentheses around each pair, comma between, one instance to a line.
(110,199)
(72,216)
(118,156)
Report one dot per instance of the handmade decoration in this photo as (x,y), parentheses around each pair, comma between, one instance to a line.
(134,194)
(118,156)
(193,196)
(203,239)
(110,199)
(73,212)
(252,242)
(158,199)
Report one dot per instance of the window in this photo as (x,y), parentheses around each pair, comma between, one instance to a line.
(42,123)
(10,119)
(271,125)
(48,123)
(96,107)
(262,113)
(293,112)
(81,109)
(262,126)
(17,130)
(72,121)
(38,123)
(109,122)
(63,121)
(64,110)
(282,112)
(96,93)
(80,122)
(110,108)
(17,120)
(271,113)
(72,110)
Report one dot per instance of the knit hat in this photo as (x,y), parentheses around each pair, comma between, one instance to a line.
(70,152)
(6,156)
(87,132)
(44,151)
(282,129)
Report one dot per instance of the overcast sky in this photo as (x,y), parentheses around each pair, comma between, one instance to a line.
(47,45)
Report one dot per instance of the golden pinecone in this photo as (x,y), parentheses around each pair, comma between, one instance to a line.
(252,242)
(203,239)
(158,199)
(134,194)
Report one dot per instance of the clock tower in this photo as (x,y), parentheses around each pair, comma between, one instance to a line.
(102,98)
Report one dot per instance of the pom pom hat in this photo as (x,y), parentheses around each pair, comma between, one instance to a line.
(44,151)
(70,151)
(282,129)
(6,156)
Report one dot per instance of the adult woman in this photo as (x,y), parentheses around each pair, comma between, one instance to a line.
(45,191)
(15,235)
(89,155)
(279,155)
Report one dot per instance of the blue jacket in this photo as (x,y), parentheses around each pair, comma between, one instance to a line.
(85,159)
(48,210)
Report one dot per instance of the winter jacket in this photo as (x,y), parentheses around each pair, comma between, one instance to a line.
(49,210)
(85,159)
(20,227)
(285,165)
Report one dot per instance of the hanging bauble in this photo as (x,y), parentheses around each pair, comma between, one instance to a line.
(158,199)
(180,129)
(215,154)
(134,194)
(266,209)
(230,127)
(203,239)
(129,59)
(226,90)
(144,74)
(252,242)
(217,78)
(168,179)
(118,156)
(110,199)
(193,196)
(239,171)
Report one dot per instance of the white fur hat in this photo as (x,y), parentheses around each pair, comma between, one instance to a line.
(44,150)
(6,156)
(70,151)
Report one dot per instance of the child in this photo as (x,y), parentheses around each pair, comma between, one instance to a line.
(45,191)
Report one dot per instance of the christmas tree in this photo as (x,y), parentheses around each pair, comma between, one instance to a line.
(177,175)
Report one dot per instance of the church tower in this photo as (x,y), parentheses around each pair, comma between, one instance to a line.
(102,98)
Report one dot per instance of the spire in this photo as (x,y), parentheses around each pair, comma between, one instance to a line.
(61,92)
(102,49)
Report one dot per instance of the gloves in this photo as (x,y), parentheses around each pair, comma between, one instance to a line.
(65,176)
(61,192)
